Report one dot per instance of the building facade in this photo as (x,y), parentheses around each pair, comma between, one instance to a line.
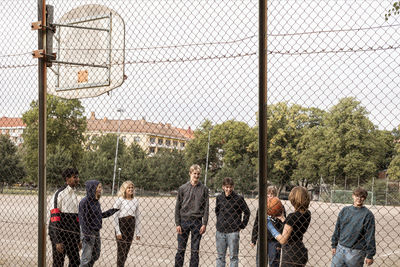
(14,128)
(151,137)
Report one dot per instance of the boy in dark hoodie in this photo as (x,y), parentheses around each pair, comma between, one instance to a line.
(90,220)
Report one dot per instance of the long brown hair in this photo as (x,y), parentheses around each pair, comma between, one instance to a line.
(300,198)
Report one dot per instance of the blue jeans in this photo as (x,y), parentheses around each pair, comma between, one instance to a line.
(91,246)
(274,254)
(225,240)
(189,226)
(347,257)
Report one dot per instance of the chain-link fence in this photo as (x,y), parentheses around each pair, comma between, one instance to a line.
(141,90)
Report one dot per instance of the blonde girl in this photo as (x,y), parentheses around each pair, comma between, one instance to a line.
(126,221)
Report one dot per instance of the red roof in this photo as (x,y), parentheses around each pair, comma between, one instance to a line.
(11,122)
(138,126)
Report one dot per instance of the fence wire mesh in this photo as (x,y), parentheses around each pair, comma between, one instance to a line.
(140,91)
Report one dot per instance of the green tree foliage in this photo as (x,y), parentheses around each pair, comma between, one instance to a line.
(65,127)
(393,170)
(196,149)
(135,167)
(167,170)
(231,144)
(98,161)
(385,148)
(346,147)
(57,161)
(395,10)
(11,167)
(286,124)
(394,167)
(244,176)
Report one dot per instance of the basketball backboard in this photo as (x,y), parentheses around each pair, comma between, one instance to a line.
(90,47)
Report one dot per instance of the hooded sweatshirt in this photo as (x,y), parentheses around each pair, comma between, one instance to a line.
(90,215)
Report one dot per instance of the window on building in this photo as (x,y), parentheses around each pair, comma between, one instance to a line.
(152,150)
(136,139)
(182,144)
(123,138)
(168,142)
(152,140)
(175,143)
(160,141)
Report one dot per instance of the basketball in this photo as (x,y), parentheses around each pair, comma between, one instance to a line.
(274,206)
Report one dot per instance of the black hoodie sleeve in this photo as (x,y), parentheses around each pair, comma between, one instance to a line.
(254,233)
(109,213)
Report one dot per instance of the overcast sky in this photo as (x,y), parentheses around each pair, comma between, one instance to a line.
(187,62)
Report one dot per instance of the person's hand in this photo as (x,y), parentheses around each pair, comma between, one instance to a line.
(369,261)
(137,237)
(119,237)
(252,245)
(281,217)
(80,245)
(179,230)
(60,247)
(333,251)
(203,229)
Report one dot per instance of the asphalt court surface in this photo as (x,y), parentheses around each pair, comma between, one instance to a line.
(157,247)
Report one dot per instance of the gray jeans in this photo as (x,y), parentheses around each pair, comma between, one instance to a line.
(348,257)
(91,247)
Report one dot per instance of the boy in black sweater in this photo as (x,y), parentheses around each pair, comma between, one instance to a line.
(91,221)
(229,210)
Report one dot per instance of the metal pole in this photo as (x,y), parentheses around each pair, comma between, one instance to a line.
(208,151)
(116,152)
(119,176)
(262,135)
(386,191)
(320,188)
(372,198)
(42,82)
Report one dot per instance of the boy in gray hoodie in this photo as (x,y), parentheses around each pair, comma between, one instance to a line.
(90,220)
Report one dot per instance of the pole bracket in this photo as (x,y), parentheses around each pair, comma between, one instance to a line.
(37,25)
(38,53)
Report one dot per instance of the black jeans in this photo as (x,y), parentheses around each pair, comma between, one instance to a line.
(189,226)
(71,249)
(127,227)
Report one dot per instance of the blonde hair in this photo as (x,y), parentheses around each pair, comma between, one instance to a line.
(272,190)
(299,198)
(194,167)
(124,186)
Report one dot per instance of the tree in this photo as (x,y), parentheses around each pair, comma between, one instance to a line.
(244,175)
(395,10)
(65,127)
(98,161)
(57,161)
(286,124)
(168,170)
(394,167)
(230,143)
(346,148)
(393,170)
(135,167)
(11,168)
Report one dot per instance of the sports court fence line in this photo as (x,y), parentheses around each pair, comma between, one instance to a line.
(140,91)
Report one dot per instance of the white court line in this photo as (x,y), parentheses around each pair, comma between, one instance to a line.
(388,254)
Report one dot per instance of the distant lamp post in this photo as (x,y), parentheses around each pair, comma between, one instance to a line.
(208,153)
(119,176)
(116,150)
